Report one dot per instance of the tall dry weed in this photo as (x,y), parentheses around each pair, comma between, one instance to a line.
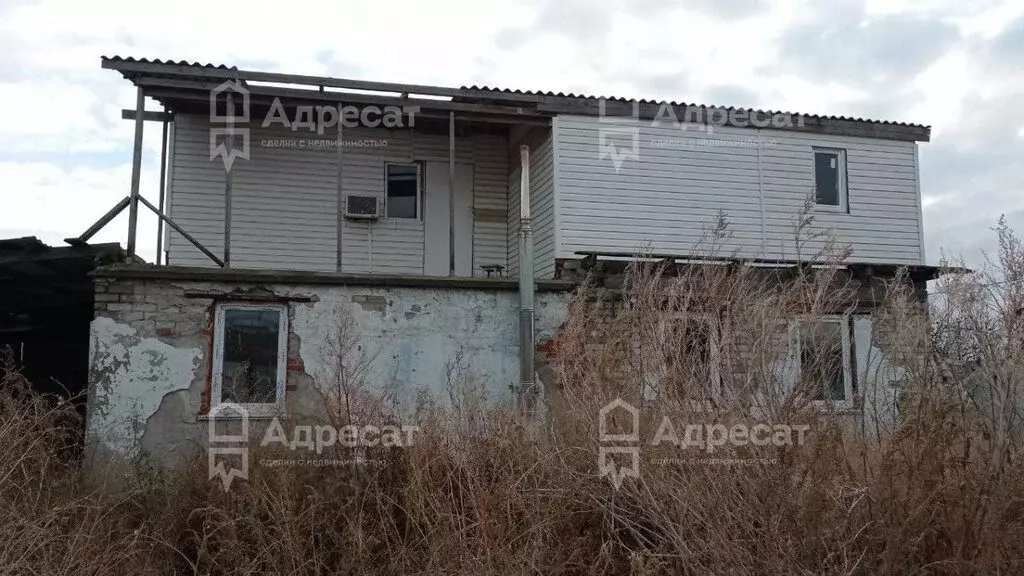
(918,472)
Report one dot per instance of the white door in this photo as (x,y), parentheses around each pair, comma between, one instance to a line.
(436,217)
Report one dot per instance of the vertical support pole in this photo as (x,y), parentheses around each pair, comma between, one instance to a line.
(760,197)
(133,204)
(527,388)
(341,196)
(228,172)
(451,193)
(163,190)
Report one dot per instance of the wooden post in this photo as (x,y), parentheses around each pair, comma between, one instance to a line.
(163,191)
(133,202)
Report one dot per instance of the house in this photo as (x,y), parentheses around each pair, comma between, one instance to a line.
(306,219)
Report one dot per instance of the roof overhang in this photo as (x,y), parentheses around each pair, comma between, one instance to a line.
(185,86)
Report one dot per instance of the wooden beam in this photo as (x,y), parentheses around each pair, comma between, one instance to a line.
(335,97)
(163,192)
(148,116)
(182,231)
(133,205)
(223,74)
(99,224)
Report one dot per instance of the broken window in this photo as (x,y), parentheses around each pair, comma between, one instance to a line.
(692,349)
(403,191)
(824,358)
(830,177)
(250,354)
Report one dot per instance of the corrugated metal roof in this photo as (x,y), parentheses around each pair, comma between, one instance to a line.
(498,91)
(167,62)
(474,92)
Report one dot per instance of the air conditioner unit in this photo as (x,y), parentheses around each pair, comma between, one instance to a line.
(362,207)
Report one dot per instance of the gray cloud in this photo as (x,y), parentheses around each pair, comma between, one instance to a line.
(858,51)
(730,95)
(975,174)
(581,20)
(729,9)
(1008,47)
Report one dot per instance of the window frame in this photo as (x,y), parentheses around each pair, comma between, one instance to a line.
(419,190)
(844,323)
(842,181)
(716,337)
(217,370)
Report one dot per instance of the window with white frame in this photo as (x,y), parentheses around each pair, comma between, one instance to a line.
(823,356)
(830,178)
(692,353)
(250,354)
(402,191)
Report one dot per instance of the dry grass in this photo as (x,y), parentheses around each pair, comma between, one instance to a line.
(935,491)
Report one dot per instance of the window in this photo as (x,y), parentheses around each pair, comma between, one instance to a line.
(250,354)
(403,191)
(823,345)
(692,349)
(830,177)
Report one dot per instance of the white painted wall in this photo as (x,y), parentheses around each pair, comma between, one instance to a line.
(409,344)
(285,200)
(671,192)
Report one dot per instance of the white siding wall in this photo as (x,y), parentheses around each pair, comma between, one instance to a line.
(285,200)
(669,196)
(542,207)
(195,195)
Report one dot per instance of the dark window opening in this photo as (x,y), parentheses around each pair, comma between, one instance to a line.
(402,191)
(822,363)
(250,355)
(829,177)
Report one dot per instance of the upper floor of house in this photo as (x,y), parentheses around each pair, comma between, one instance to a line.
(325,174)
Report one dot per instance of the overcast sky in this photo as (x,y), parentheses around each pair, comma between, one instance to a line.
(958,66)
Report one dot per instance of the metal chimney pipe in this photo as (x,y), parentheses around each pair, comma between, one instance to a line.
(527,388)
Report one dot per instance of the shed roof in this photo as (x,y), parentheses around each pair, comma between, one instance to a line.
(169,81)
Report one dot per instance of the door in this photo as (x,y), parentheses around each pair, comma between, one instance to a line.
(436,254)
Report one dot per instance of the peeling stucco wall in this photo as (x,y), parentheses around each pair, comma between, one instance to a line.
(129,377)
(417,341)
(152,341)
